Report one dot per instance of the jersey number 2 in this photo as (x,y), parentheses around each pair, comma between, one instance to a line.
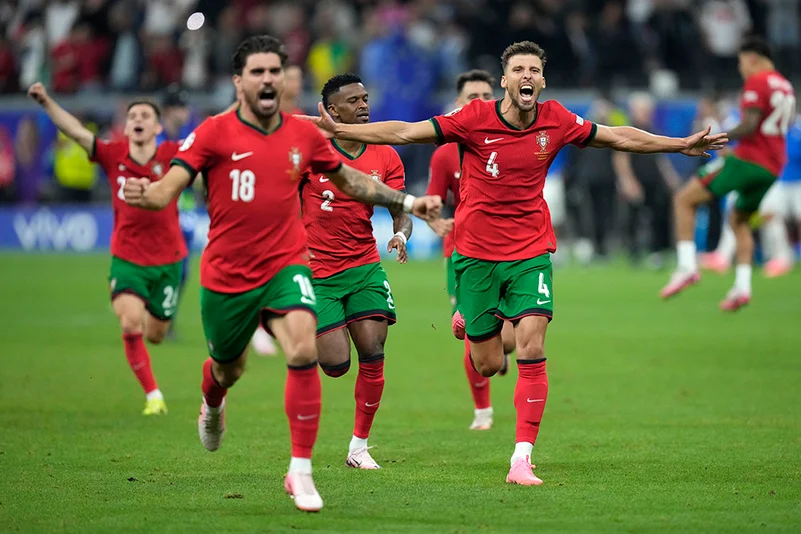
(243,186)
(778,121)
(121,181)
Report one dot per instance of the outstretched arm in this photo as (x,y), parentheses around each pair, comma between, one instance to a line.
(378,133)
(360,186)
(628,139)
(64,121)
(143,193)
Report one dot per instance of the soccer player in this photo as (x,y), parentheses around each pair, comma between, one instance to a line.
(354,299)
(502,229)
(293,88)
(146,248)
(768,104)
(255,266)
(444,173)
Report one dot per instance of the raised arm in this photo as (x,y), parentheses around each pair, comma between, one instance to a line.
(64,121)
(378,133)
(628,139)
(155,196)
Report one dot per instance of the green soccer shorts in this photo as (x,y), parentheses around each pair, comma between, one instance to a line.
(229,319)
(490,292)
(352,295)
(731,173)
(157,285)
(451,274)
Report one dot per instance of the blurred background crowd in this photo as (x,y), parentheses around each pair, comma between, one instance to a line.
(665,65)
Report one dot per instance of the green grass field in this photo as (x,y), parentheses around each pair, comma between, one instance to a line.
(662,417)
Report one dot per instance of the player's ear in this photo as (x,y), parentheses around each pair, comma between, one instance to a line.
(543,82)
(503,82)
(159,128)
(237,83)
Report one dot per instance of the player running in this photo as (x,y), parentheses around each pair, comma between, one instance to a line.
(503,273)
(444,172)
(354,299)
(255,266)
(146,248)
(767,104)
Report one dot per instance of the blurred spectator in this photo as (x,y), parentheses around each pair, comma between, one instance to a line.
(60,19)
(647,182)
(784,32)
(33,49)
(78,60)
(724,23)
(293,86)
(125,59)
(618,54)
(28,164)
(8,66)
(331,52)
(7,167)
(226,39)
(164,63)
(672,40)
(74,173)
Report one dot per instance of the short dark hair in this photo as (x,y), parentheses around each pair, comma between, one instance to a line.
(523,48)
(757,45)
(258,44)
(475,75)
(146,102)
(336,83)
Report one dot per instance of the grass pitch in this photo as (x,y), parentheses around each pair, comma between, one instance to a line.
(662,417)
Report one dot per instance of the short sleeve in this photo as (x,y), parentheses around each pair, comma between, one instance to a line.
(323,158)
(753,94)
(196,152)
(456,126)
(395,174)
(438,174)
(577,130)
(103,152)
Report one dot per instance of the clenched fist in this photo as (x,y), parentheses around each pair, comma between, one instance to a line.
(38,93)
(427,207)
(134,191)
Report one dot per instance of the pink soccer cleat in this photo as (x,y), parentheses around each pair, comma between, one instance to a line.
(520,473)
(714,261)
(361,459)
(735,300)
(300,487)
(457,325)
(778,267)
(680,281)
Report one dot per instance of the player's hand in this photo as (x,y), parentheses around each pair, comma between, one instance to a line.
(399,244)
(134,191)
(38,93)
(427,208)
(700,143)
(442,227)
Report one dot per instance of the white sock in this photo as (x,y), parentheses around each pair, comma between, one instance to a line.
(357,443)
(727,243)
(686,253)
(155,394)
(483,411)
(777,242)
(742,278)
(522,449)
(300,465)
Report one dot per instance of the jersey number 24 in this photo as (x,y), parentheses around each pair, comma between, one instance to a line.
(779,119)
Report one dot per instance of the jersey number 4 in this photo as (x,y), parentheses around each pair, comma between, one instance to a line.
(243,185)
(779,119)
(492,167)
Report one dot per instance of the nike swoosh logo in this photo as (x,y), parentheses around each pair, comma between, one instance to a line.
(371,405)
(323,179)
(488,141)
(541,302)
(237,157)
(535,400)
(481,384)
(306,417)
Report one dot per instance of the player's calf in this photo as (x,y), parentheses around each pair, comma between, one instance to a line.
(156,329)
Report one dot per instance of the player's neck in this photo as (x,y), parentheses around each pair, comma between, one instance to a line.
(142,152)
(269,124)
(351,147)
(765,66)
(515,116)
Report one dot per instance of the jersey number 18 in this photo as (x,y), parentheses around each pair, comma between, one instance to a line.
(243,185)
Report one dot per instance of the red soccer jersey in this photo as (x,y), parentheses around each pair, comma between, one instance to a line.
(140,236)
(502,215)
(771,94)
(443,176)
(252,177)
(339,228)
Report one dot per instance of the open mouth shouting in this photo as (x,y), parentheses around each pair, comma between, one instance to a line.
(527,93)
(267,97)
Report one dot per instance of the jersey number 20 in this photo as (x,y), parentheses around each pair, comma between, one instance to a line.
(778,121)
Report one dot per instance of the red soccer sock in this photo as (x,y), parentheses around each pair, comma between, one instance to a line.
(479,385)
(139,360)
(213,392)
(368,391)
(531,392)
(302,401)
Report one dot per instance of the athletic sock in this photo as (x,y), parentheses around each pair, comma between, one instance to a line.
(302,402)
(139,360)
(522,450)
(368,391)
(213,392)
(531,393)
(727,244)
(686,256)
(742,278)
(479,385)
(777,243)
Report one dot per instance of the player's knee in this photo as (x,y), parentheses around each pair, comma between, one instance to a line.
(336,370)
(155,337)
(530,350)
(130,324)
(301,352)
(227,375)
(487,368)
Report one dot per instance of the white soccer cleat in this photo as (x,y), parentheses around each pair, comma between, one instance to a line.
(361,459)
(482,420)
(300,487)
(263,343)
(211,426)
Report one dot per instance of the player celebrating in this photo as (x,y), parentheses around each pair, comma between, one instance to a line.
(501,272)
(768,104)
(255,266)
(444,173)
(146,248)
(353,294)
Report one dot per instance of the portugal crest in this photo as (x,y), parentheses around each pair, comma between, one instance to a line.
(375,175)
(157,169)
(295,158)
(543,139)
